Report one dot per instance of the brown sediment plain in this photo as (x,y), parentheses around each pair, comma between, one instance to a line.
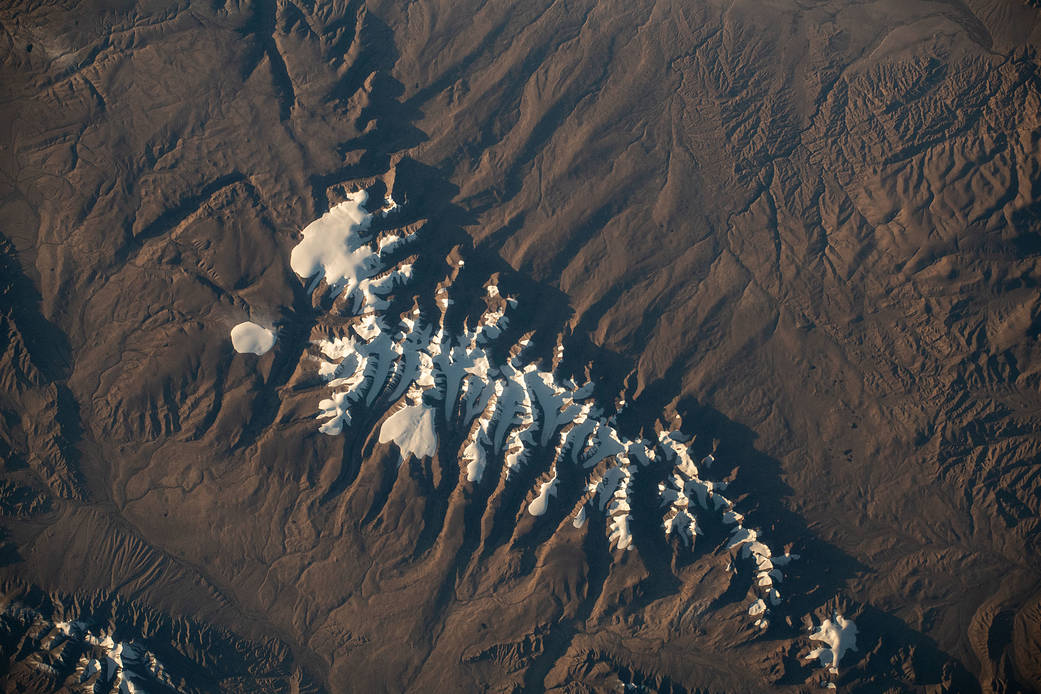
(807,233)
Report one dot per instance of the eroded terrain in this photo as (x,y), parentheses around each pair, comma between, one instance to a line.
(804,238)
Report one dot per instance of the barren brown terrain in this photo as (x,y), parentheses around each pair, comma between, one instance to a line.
(798,242)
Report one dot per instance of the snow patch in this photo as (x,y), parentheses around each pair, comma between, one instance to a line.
(332,246)
(250,338)
(103,664)
(840,635)
(412,429)
(540,503)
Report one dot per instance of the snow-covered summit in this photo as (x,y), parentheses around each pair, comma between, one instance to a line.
(424,380)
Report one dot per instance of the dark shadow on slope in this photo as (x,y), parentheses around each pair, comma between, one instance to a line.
(884,641)
(37,358)
(174,216)
(198,657)
(8,550)
(20,302)
(294,332)
(759,493)
(386,122)
(757,488)
(262,25)
(561,634)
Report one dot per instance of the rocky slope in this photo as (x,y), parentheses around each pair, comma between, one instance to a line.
(806,235)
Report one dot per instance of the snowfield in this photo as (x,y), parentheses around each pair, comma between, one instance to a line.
(250,338)
(839,635)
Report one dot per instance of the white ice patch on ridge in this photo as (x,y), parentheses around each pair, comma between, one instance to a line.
(541,503)
(412,429)
(840,635)
(250,338)
(333,246)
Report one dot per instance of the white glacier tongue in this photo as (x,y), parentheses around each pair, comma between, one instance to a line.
(250,338)
(504,412)
(476,457)
(541,503)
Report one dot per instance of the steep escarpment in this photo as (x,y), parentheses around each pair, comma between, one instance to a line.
(40,414)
